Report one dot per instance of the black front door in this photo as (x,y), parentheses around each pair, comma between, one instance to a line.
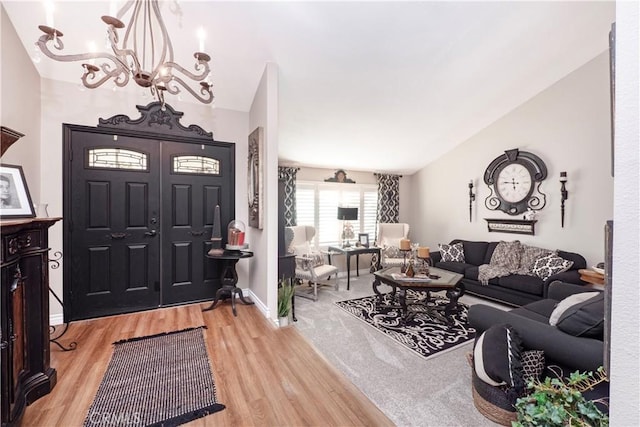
(139,215)
(113,222)
(194,181)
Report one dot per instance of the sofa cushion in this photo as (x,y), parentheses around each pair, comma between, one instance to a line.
(474,252)
(458,267)
(538,310)
(585,319)
(490,248)
(549,265)
(453,252)
(568,303)
(497,357)
(471,272)
(518,282)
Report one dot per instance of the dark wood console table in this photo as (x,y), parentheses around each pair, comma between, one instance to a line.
(229,279)
(357,251)
(24,304)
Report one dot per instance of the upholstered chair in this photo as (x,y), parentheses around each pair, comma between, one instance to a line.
(310,265)
(388,239)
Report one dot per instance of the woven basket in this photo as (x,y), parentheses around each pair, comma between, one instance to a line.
(491,401)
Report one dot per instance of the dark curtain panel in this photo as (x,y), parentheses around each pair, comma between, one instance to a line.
(388,203)
(388,197)
(288,175)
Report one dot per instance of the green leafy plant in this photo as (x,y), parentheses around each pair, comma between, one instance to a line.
(559,402)
(285,292)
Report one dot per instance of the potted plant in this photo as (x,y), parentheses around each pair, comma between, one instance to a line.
(559,402)
(285,294)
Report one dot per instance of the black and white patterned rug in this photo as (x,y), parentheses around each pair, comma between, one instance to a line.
(161,380)
(424,332)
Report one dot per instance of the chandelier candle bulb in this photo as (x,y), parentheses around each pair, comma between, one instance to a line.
(201,37)
(405,244)
(423,252)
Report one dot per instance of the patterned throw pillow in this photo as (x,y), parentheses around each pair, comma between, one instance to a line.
(392,252)
(530,254)
(532,364)
(549,265)
(453,252)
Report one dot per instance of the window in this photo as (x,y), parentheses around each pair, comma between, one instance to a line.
(196,164)
(317,204)
(117,158)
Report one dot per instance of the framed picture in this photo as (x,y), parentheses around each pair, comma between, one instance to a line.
(363,238)
(254,177)
(15,200)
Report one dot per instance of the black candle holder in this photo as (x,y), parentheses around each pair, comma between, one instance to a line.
(403,269)
(472,198)
(564,195)
(426,263)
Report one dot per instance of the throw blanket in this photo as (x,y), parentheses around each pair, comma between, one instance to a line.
(504,261)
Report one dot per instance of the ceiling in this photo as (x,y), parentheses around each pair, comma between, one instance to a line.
(376,86)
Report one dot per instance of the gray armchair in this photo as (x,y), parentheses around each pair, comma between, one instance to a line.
(310,265)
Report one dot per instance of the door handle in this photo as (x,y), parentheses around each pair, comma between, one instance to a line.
(150,233)
(119,236)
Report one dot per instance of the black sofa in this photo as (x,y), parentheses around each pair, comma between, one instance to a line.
(515,289)
(531,322)
(575,345)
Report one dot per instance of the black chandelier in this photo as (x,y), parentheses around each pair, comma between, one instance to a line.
(145,55)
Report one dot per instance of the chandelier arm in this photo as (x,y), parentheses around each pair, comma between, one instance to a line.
(119,75)
(206,97)
(44,48)
(196,77)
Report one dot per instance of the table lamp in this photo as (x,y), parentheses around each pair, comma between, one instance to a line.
(346,215)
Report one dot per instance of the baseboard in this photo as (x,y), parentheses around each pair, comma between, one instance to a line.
(263,308)
(58,319)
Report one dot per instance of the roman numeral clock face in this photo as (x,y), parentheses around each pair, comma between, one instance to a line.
(514,183)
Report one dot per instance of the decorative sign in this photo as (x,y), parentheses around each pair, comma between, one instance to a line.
(517,226)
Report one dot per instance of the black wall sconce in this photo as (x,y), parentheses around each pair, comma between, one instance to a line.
(564,195)
(472,197)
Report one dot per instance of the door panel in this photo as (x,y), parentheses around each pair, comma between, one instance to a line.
(115,257)
(195,190)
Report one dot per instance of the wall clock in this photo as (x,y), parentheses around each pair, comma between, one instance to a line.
(514,179)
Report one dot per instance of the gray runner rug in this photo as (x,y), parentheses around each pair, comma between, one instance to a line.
(426,331)
(159,380)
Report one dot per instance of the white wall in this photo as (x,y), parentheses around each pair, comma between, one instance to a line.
(568,126)
(20,105)
(625,322)
(66,103)
(264,243)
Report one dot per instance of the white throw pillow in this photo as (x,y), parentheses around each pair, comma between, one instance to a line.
(302,249)
(567,303)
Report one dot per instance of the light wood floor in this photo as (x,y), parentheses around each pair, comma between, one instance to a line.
(264,375)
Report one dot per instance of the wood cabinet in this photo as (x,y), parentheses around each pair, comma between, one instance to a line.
(24,306)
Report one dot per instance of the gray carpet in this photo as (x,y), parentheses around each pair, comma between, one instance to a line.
(411,391)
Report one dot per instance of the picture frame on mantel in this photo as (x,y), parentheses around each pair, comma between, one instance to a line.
(15,199)
(255,178)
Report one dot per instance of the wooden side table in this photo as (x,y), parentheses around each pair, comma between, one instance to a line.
(591,276)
